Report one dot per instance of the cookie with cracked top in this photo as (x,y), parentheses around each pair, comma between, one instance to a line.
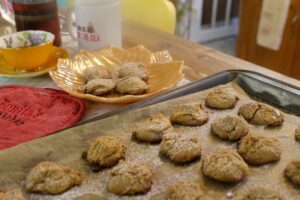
(258,149)
(261,114)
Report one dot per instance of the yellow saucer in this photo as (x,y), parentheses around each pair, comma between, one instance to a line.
(8,71)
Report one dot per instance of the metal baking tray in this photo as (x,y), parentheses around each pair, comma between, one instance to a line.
(256,85)
(67,146)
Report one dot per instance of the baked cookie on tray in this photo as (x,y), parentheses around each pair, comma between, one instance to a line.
(52,178)
(14,194)
(257,149)
(261,193)
(297,134)
(153,129)
(189,114)
(230,127)
(105,151)
(220,99)
(224,165)
(130,179)
(261,114)
(292,171)
(180,148)
(184,190)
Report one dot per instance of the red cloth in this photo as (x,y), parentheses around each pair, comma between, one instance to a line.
(27,113)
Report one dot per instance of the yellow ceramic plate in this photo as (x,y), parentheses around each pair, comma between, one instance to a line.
(163,72)
(8,71)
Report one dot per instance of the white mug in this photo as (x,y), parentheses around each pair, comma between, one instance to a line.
(98,23)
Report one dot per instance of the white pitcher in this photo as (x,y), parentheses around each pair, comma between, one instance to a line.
(98,23)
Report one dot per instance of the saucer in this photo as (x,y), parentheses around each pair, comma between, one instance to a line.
(7,71)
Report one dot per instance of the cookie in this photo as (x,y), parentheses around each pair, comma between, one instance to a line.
(131,85)
(292,171)
(258,149)
(184,190)
(99,87)
(261,194)
(220,99)
(189,115)
(90,196)
(133,69)
(153,129)
(52,178)
(230,127)
(105,151)
(225,165)
(180,148)
(297,134)
(261,114)
(97,72)
(130,179)
(14,194)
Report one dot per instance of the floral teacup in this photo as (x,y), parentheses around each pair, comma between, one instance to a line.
(26,50)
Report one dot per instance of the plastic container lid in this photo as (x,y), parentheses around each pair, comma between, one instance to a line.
(27,113)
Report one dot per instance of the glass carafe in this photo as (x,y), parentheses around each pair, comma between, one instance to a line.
(37,15)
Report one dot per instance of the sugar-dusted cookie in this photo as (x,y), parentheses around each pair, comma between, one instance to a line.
(130,179)
(220,99)
(225,165)
(180,148)
(230,127)
(258,149)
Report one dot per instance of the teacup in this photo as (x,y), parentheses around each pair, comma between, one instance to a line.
(27,50)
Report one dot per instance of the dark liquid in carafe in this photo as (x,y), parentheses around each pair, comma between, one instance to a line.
(38,16)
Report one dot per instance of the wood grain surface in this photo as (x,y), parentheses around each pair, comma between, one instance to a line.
(202,61)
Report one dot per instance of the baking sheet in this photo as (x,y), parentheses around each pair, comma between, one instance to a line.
(66,147)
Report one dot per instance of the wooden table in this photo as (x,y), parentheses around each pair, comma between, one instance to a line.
(202,61)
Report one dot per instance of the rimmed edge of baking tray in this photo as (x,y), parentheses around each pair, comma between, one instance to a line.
(257,85)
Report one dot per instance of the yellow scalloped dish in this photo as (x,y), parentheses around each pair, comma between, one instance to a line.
(105,76)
